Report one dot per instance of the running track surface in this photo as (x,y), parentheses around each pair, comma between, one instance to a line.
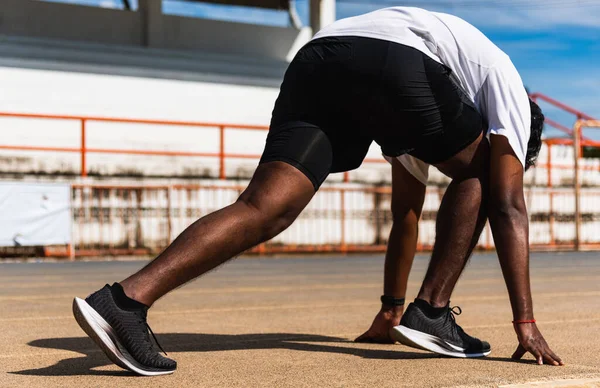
(280,322)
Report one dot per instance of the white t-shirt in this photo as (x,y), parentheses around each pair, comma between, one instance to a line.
(484,71)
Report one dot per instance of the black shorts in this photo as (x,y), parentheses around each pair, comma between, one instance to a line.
(339,94)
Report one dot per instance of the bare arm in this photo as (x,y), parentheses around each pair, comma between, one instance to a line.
(510,224)
(408,195)
(510,227)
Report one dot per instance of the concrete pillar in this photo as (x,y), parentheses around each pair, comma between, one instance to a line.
(322,13)
(151,23)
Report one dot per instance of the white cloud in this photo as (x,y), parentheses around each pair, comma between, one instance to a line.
(535,15)
(109,4)
(531,19)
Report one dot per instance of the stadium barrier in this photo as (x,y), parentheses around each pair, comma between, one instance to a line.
(556,171)
(124,220)
(84,150)
(143,219)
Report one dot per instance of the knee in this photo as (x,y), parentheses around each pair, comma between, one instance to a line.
(276,225)
(271,218)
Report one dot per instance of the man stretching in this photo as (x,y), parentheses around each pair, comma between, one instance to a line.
(415,82)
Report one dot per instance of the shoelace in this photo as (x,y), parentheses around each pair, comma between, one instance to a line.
(458,310)
(143,321)
(452,312)
(155,340)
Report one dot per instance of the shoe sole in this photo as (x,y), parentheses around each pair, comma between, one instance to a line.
(105,337)
(424,341)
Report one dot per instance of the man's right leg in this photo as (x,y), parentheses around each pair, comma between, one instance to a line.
(295,162)
(275,196)
(115,316)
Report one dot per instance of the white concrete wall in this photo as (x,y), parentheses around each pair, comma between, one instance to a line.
(55,92)
(68,93)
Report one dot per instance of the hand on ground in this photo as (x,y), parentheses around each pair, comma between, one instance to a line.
(384,321)
(532,341)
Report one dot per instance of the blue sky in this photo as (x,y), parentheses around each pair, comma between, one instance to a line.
(555,44)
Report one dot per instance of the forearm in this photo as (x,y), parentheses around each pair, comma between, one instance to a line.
(401,250)
(510,228)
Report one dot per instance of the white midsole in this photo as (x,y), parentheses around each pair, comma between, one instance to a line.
(429,342)
(109,339)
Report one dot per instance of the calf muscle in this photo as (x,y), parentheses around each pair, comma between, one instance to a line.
(276,195)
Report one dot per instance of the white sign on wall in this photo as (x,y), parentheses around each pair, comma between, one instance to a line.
(35,214)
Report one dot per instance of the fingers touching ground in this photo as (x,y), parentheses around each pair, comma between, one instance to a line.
(374,338)
(549,357)
(520,352)
(379,332)
(540,351)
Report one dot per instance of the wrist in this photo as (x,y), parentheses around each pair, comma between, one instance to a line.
(391,305)
(523,321)
(392,311)
(391,301)
(525,316)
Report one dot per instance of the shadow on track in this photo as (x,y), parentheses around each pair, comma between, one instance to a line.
(182,342)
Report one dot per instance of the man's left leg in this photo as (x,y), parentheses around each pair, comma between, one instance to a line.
(457,233)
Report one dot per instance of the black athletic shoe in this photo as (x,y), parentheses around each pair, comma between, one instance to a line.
(439,334)
(122,334)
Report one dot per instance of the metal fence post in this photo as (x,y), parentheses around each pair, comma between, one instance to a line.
(552,238)
(549,164)
(343,246)
(83,149)
(577,185)
(139,233)
(71,245)
(169,216)
(221,152)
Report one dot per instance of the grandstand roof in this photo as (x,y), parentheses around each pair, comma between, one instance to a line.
(274,4)
(73,37)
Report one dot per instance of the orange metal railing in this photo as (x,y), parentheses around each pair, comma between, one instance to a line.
(222,156)
(84,149)
(578,114)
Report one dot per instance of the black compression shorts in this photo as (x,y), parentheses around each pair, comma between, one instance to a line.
(340,94)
